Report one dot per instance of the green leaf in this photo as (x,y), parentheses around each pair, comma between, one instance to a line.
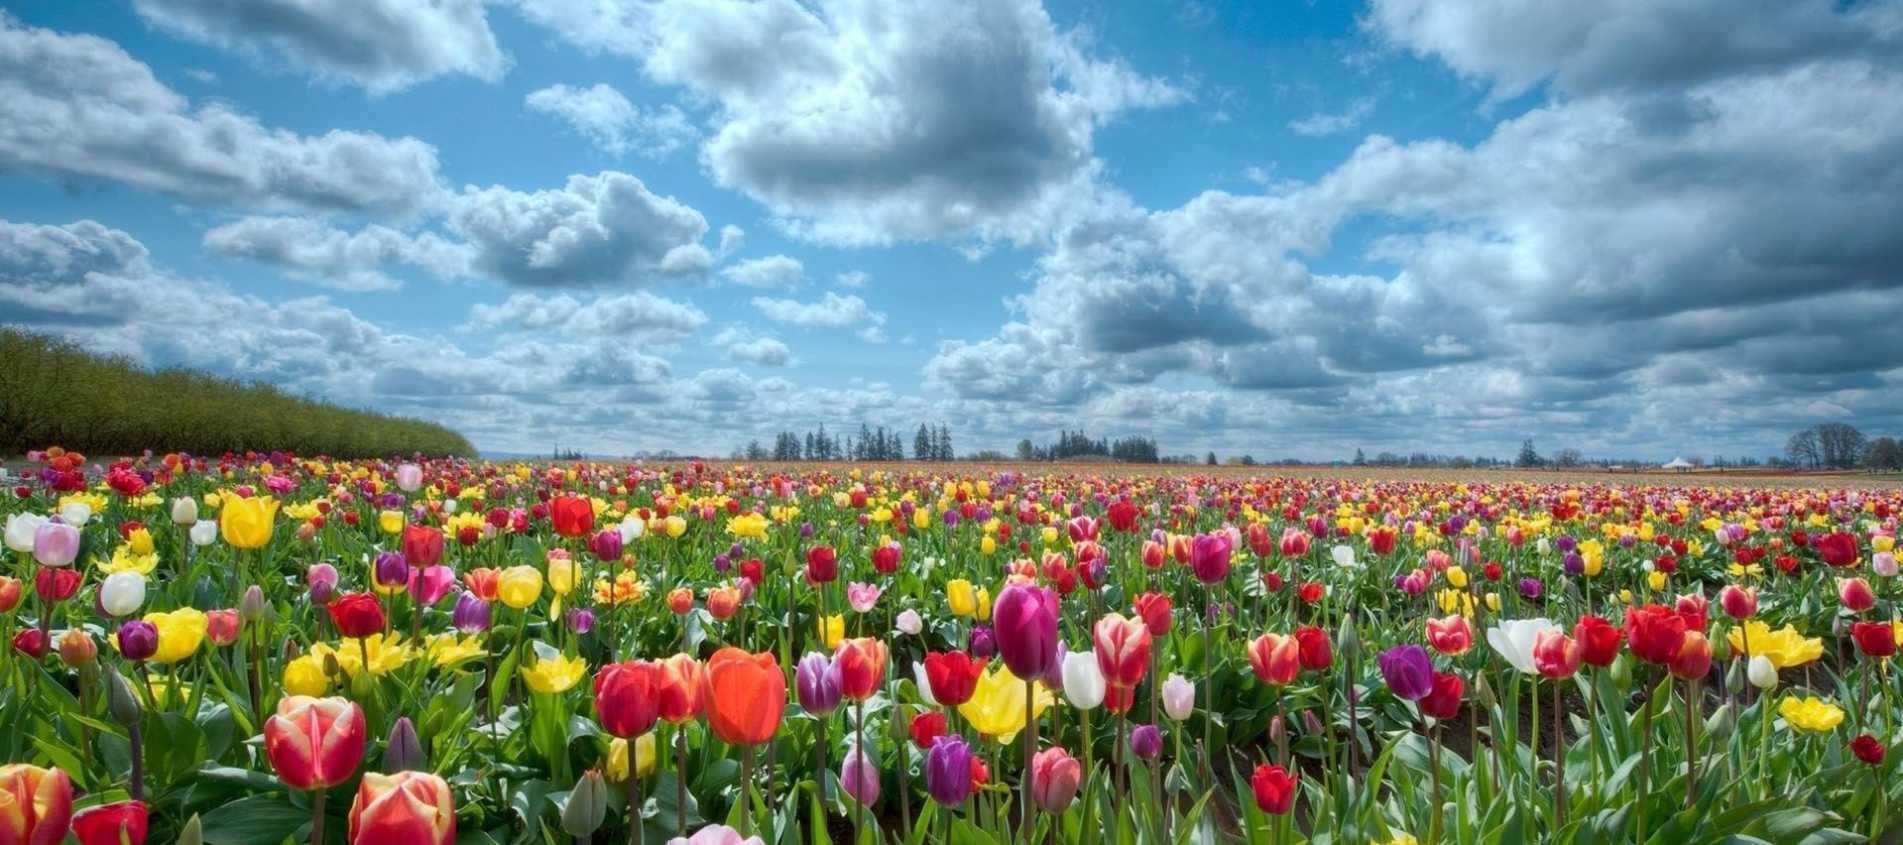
(254,820)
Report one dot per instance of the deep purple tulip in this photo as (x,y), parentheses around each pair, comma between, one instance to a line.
(1209,557)
(806,531)
(1531,588)
(951,518)
(1024,621)
(722,563)
(1408,671)
(392,570)
(982,646)
(606,544)
(472,614)
(1573,563)
(948,771)
(1566,543)
(138,640)
(1146,742)
(818,687)
(581,620)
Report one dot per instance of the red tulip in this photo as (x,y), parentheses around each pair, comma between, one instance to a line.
(1381,540)
(1837,548)
(953,676)
(1123,649)
(122,823)
(1443,702)
(1555,655)
(1316,651)
(315,743)
(822,565)
(680,690)
(57,584)
(1868,749)
(625,699)
(1598,640)
(406,808)
(1694,609)
(1694,657)
(1656,633)
(1450,636)
(927,727)
(1855,594)
(422,546)
(1738,602)
(1274,789)
(572,516)
(35,805)
(745,696)
(1275,658)
(1874,639)
(1155,610)
(357,615)
(859,666)
(31,642)
(885,558)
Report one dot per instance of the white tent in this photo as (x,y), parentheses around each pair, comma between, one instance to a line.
(1676,463)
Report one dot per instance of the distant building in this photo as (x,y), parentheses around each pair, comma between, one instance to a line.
(1679,464)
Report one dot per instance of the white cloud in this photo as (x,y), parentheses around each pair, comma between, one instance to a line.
(1321,124)
(381,45)
(862,122)
(313,251)
(773,271)
(614,125)
(78,107)
(639,315)
(742,345)
(605,229)
(853,279)
(832,311)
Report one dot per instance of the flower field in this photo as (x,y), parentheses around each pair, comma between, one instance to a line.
(259,649)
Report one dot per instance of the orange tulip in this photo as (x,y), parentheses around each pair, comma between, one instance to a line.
(315,743)
(859,664)
(1276,658)
(678,690)
(407,808)
(745,695)
(35,805)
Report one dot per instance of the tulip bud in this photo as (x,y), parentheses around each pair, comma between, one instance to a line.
(1734,676)
(1722,722)
(1348,639)
(1762,673)
(1146,742)
(404,751)
(192,833)
(121,701)
(1621,673)
(252,607)
(1721,648)
(587,806)
(1483,691)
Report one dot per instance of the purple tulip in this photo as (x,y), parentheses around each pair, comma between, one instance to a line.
(1024,619)
(1146,742)
(581,620)
(472,614)
(948,770)
(392,570)
(322,578)
(806,531)
(1531,588)
(859,774)
(1209,557)
(404,751)
(606,544)
(138,640)
(982,646)
(722,563)
(1408,671)
(1566,543)
(818,687)
(951,518)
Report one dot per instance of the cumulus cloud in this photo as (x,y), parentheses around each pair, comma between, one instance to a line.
(381,45)
(773,271)
(831,311)
(611,123)
(871,122)
(77,107)
(638,316)
(604,229)
(742,345)
(313,251)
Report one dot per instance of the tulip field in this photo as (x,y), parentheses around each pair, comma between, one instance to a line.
(257,649)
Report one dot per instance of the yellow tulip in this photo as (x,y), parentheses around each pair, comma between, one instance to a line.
(304,675)
(1784,647)
(387,654)
(832,629)
(1493,602)
(561,574)
(390,522)
(1656,580)
(180,633)
(616,769)
(987,545)
(676,526)
(519,586)
(1810,714)
(961,598)
(124,560)
(445,650)
(247,523)
(140,542)
(554,675)
(1457,577)
(984,605)
(996,708)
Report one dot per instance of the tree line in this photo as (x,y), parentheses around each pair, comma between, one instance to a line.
(1836,445)
(54,393)
(1075,445)
(929,443)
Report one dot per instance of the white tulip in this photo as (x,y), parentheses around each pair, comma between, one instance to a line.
(20,530)
(122,593)
(1762,674)
(1513,639)
(1083,681)
(205,533)
(75,513)
(924,683)
(910,623)
(184,511)
(1179,697)
(631,528)
(1344,556)
(449,506)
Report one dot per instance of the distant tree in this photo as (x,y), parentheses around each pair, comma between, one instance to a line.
(1247,460)
(1361,458)
(1803,448)
(1567,458)
(1884,455)
(1528,456)
(1841,445)
(1211,460)
(1025,450)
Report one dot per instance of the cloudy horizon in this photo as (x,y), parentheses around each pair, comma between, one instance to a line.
(1634,229)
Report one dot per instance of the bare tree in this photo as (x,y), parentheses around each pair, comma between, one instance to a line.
(1802,448)
(1841,445)
(1567,458)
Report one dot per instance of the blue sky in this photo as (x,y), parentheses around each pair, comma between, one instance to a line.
(1636,229)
